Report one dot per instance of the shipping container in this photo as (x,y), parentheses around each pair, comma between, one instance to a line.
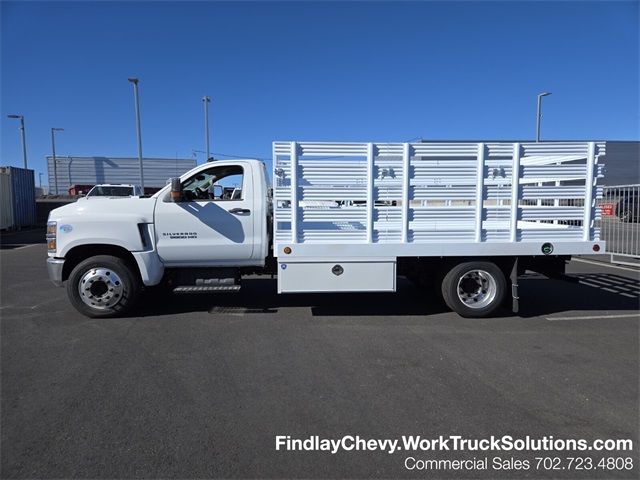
(6,205)
(71,171)
(22,197)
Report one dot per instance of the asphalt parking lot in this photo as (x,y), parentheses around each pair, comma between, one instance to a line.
(199,386)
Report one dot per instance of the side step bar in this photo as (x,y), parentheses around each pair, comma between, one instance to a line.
(208,288)
(202,280)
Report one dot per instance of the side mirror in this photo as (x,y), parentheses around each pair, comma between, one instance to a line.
(176,190)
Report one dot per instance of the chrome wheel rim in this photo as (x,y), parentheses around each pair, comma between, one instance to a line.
(101,288)
(477,288)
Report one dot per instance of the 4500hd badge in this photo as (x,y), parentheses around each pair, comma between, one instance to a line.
(180,235)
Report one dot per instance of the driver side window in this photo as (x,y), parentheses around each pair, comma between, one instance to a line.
(216,183)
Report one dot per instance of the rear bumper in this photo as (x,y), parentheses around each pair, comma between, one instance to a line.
(54,269)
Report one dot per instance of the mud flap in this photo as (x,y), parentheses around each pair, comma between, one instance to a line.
(515,305)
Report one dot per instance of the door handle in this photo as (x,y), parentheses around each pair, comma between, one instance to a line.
(239,211)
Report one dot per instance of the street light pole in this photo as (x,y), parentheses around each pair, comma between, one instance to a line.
(539,114)
(53,150)
(137,101)
(24,139)
(206,100)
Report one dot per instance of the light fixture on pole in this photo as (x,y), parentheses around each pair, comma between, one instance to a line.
(539,114)
(206,100)
(55,163)
(137,101)
(23,135)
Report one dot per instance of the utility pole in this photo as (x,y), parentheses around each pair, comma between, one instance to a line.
(55,163)
(24,139)
(139,134)
(206,100)
(539,114)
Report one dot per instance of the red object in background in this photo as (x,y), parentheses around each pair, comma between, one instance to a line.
(607,208)
(75,190)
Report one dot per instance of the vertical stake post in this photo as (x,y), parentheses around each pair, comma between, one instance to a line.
(294,192)
(370,157)
(479,192)
(588,193)
(406,174)
(515,190)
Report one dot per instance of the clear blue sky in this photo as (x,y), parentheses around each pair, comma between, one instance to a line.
(312,71)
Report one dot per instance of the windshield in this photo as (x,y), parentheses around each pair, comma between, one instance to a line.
(110,191)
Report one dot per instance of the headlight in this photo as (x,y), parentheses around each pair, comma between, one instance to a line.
(51,236)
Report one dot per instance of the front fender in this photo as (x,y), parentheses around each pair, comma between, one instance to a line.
(122,232)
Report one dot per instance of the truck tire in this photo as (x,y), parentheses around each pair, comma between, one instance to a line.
(103,286)
(474,289)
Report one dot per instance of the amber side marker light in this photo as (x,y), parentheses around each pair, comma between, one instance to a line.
(287,250)
(596,248)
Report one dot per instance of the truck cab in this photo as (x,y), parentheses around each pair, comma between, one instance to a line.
(213,223)
(220,219)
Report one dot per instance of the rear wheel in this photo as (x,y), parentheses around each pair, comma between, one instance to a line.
(103,286)
(474,289)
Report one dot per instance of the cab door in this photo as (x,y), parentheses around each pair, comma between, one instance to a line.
(213,224)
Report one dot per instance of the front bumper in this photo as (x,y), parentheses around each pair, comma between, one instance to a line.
(54,268)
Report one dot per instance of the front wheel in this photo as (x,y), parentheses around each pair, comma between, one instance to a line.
(474,289)
(103,286)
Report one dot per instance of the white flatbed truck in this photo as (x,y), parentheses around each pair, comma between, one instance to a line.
(467,218)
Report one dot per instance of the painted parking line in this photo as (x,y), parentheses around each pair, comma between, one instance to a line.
(13,246)
(603,264)
(26,246)
(594,317)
